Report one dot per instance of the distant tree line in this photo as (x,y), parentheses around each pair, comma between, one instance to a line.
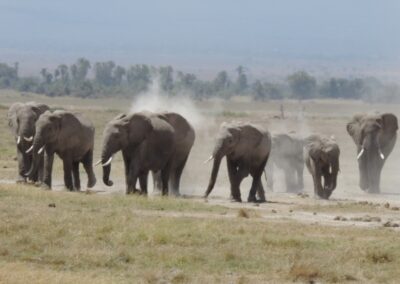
(87,80)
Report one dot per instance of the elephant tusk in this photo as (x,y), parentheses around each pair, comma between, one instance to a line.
(97,163)
(18,140)
(330,169)
(381,154)
(29,139)
(209,159)
(108,162)
(40,150)
(360,154)
(29,150)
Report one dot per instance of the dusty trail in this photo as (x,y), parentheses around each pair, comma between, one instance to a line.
(356,210)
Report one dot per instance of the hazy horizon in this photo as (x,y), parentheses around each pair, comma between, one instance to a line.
(204,35)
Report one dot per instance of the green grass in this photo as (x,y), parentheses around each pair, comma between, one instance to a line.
(114,238)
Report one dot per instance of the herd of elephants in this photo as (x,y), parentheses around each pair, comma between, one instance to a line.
(161,143)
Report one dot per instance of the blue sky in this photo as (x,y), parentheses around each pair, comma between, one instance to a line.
(285,29)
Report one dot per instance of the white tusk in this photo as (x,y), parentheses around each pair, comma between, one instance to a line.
(29,150)
(209,159)
(18,140)
(381,154)
(29,139)
(40,150)
(97,163)
(108,162)
(330,169)
(360,154)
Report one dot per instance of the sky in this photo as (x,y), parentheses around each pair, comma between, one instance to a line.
(207,29)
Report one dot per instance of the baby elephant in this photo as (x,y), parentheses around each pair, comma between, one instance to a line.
(321,155)
(71,137)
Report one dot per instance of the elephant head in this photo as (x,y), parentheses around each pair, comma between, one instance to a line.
(124,131)
(48,131)
(375,137)
(325,155)
(234,141)
(22,119)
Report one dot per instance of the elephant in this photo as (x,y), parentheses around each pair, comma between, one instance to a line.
(71,137)
(147,144)
(184,139)
(287,155)
(247,148)
(375,137)
(321,155)
(21,120)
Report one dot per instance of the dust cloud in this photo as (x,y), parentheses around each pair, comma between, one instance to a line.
(155,100)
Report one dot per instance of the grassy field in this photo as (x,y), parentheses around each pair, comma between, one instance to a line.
(65,237)
(62,237)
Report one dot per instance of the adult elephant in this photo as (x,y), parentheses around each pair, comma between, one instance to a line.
(21,120)
(247,148)
(321,155)
(375,137)
(183,140)
(147,144)
(71,137)
(287,155)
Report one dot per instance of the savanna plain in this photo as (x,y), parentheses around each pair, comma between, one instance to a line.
(102,236)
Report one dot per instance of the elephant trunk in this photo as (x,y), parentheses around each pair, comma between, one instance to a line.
(106,159)
(214,174)
(374,159)
(36,149)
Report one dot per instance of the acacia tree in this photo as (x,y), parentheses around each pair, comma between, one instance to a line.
(302,85)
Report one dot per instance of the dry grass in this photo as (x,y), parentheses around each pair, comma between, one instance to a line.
(113,238)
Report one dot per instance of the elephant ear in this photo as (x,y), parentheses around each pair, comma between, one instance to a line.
(56,120)
(389,123)
(354,129)
(40,108)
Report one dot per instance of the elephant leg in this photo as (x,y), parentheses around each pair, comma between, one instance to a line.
(234,181)
(143,182)
(165,172)
(256,188)
(157,183)
(175,178)
(76,178)
(258,183)
(22,169)
(67,166)
(132,177)
(88,166)
(48,170)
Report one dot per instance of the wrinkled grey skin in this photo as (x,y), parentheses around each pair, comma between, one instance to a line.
(287,155)
(321,155)
(147,144)
(71,137)
(377,135)
(21,120)
(183,139)
(247,148)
